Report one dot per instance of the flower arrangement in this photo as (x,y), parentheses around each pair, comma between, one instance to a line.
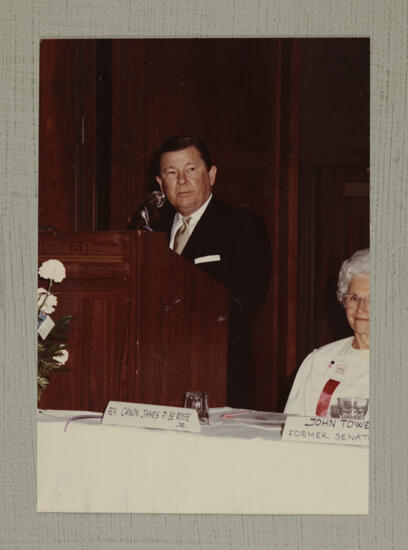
(52,336)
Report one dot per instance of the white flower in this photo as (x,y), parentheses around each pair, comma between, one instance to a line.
(47,302)
(52,269)
(62,357)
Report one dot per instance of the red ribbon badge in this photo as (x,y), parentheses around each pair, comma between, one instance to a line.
(325,396)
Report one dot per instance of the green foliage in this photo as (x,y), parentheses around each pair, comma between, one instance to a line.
(48,350)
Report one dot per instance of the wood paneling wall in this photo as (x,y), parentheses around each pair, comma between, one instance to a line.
(264,106)
(58,128)
(217,89)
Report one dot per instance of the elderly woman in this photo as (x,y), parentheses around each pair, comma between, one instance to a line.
(339,369)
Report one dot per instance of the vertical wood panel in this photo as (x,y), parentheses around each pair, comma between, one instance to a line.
(58,134)
(75,134)
(293,120)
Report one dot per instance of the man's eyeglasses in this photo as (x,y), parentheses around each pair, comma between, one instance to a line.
(352,301)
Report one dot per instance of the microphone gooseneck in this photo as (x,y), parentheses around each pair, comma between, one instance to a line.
(155,200)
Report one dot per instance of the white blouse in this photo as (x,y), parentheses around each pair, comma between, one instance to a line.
(337,361)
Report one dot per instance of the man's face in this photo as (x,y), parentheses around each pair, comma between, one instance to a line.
(185,180)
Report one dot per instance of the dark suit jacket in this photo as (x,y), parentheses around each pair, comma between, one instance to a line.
(232,246)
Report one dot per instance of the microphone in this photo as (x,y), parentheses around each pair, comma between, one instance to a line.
(142,218)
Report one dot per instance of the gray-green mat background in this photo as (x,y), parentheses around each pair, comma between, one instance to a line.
(22,24)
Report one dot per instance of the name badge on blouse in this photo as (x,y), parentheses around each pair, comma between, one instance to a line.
(338,371)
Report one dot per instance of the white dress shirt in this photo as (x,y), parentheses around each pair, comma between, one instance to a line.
(195,216)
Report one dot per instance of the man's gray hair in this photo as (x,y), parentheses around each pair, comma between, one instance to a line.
(358,264)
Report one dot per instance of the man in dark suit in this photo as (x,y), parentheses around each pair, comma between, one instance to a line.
(229,243)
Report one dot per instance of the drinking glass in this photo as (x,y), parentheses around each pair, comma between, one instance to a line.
(199,401)
(353,407)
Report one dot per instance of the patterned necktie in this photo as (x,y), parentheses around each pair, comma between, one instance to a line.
(181,236)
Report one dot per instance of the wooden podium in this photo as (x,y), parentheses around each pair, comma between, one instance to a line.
(147,324)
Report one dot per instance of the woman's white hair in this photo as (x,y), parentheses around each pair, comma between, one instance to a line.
(358,264)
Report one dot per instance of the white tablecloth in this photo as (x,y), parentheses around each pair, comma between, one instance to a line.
(228,468)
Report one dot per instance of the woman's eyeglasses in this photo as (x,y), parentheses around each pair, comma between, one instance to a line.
(352,301)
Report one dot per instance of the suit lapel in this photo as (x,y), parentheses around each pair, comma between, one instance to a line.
(204,231)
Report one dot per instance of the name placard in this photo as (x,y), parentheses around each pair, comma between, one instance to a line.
(46,326)
(316,429)
(151,416)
